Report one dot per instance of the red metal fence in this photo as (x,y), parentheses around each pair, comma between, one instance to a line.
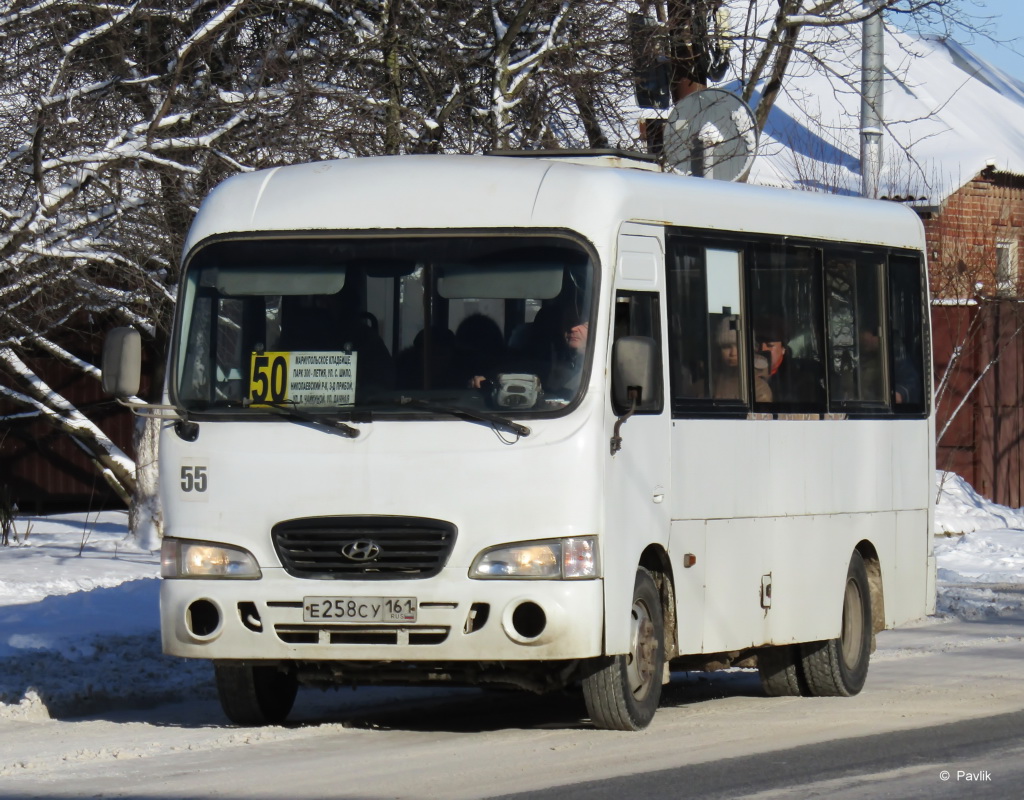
(43,469)
(979,372)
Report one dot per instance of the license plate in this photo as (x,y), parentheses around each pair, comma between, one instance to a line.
(359,609)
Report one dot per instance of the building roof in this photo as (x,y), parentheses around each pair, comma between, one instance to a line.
(949,115)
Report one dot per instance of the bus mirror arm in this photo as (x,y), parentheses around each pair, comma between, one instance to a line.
(121,377)
(635,393)
(634,372)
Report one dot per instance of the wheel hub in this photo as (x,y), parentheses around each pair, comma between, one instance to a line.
(644,647)
(853,625)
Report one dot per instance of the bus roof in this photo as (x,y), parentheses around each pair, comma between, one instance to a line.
(423,192)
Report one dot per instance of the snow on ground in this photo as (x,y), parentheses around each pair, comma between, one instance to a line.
(79,622)
(981,558)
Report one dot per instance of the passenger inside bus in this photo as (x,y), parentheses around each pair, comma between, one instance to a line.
(429,362)
(534,346)
(334,323)
(791,379)
(726,369)
(479,349)
(552,348)
(905,376)
(567,369)
(870,362)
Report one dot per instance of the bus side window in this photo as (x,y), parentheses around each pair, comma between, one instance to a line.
(906,335)
(728,358)
(707,329)
(687,320)
(638,314)
(857,374)
(785,301)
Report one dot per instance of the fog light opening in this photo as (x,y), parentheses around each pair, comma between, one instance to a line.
(477,618)
(202,618)
(529,620)
(250,616)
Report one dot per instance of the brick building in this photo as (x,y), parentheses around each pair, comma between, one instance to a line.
(974,239)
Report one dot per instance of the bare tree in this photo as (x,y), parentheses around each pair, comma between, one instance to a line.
(760,38)
(115,120)
(117,117)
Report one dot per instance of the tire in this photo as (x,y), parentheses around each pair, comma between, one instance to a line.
(839,667)
(780,671)
(622,692)
(253,695)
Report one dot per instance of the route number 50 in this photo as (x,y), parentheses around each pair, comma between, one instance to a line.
(269,378)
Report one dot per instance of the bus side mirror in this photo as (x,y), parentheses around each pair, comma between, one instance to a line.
(122,362)
(634,367)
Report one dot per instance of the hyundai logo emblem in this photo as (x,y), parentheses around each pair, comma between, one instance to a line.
(361,550)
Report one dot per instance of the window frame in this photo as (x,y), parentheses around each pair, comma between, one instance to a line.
(678,239)
(191,292)
(655,403)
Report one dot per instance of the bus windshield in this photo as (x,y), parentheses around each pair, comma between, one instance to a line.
(409,324)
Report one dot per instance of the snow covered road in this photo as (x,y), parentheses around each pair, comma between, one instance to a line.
(460,744)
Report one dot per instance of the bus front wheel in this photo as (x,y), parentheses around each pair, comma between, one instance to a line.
(839,667)
(254,695)
(622,692)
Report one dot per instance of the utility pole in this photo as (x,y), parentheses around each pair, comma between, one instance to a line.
(872,77)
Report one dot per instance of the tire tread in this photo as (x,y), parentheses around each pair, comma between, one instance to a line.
(253,696)
(608,700)
(821,662)
(779,670)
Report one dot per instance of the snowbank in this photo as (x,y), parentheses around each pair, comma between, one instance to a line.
(960,509)
(79,621)
(981,570)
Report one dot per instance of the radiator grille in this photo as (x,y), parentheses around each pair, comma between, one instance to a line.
(355,634)
(363,548)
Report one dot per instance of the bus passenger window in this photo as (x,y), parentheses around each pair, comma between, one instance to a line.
(687,320)
(727,360)
(907,335)
(707,329)
(857,371)
(785,293)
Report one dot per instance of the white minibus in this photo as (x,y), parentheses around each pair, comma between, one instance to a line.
(540,420)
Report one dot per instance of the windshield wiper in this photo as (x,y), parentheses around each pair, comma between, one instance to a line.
(295,415)
(463,413)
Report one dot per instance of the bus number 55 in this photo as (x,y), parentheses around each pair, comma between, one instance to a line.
(193,479)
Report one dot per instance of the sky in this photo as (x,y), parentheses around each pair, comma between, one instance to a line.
(1008,25)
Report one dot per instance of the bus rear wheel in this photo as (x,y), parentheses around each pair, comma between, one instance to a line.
(622,692)
(780,671)
(254,695)
(839,667)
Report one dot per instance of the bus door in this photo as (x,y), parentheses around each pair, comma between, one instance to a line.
(636,511)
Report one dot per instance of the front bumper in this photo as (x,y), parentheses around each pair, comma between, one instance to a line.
(458,620)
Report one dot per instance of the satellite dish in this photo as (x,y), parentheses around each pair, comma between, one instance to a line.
(711,134)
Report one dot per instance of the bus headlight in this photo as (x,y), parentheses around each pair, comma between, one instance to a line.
(186,559)
(554,559)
